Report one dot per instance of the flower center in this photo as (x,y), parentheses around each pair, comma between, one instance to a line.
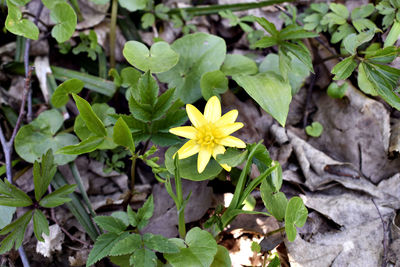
(205,136)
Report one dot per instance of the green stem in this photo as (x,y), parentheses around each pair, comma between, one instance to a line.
(78,180)
(275,231)
(213,9)
(180,205)
(75,6)
(113,27)
(133,173)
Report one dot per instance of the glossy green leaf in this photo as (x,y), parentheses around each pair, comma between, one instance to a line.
(274,201)
(393,35)
(221,259)
(353,41)
(93,122)
(233,157)
(43,173)
(344,68)
(58,197)
(133,5)
(342,32)
(163,103)
(65,18)
(268,26)
(19,26)
(122,135)
(200,251)
(363,82)
(40,225)
(315,129)
(60,95)
(296,215)
(294,32)
(6,215)
(238,64)
(213,83)
(336,91)
(12,196)
(270,91)
(110,224)
(103,246)
(187,170)
(145,213)
(207,53)
(265,42)
(300,51)
(159,58)
(88,145)
(382,55)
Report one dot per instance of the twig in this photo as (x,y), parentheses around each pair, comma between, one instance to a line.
(26,63)
(113,29)
(385,241)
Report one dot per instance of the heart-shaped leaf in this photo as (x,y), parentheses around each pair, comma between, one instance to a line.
(296,214)
(159,58)
(65,18)
(315,129)
(19,26)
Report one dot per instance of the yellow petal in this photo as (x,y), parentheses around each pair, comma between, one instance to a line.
(226,130)
(195,116)
(188,149)
(226,167)
(232,142)
(212,111)
(228,118)
(218,149)
(188,132)
(203,159)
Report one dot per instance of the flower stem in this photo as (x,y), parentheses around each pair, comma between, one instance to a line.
(180,205)
(113,28)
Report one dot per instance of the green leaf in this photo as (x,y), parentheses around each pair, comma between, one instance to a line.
(43,173)
(353,41)
(315,129)
(274,201)
(60,95)
(275,262)
(65,18)
(268,26)
(362,11)
(110,224)
(148,19)
(148,89)
(130,77)
(255,247)
(103,246)
(40,225)
(341,32)
(123,216)
(93,122)
(198,53)
(382,55)
(270,91)
(233,157)
(336,91)
(295,32)
(133,5)
(200,251)
(393,35)
(127,245)
(19,26)
(297,72)
(159,58)
(143,258)
(12,196)
(296,214)
(213,83)
(344,68)
(300,51)
(88,145)
(122,135)
(363,82)
(221,259)
(17,231)
(339,10)
(238,64)
(164,102)
(132,217)
(58,197)
(362,25)
(144,213)
(260,156)
(159,243)
(265,42)
(186,168)
(6,215)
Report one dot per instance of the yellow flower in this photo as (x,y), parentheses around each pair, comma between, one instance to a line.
(209,134)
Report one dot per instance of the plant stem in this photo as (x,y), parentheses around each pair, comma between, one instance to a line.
(78,180)
(133,172)
(275,231)
(180,206)
(213,9)
(113,28)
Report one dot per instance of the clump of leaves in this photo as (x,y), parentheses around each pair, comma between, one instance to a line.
(12,196)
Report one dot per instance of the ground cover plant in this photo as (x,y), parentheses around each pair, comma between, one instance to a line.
(153,133)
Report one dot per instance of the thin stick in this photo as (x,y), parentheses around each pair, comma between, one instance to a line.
(113,29)
(385,241)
